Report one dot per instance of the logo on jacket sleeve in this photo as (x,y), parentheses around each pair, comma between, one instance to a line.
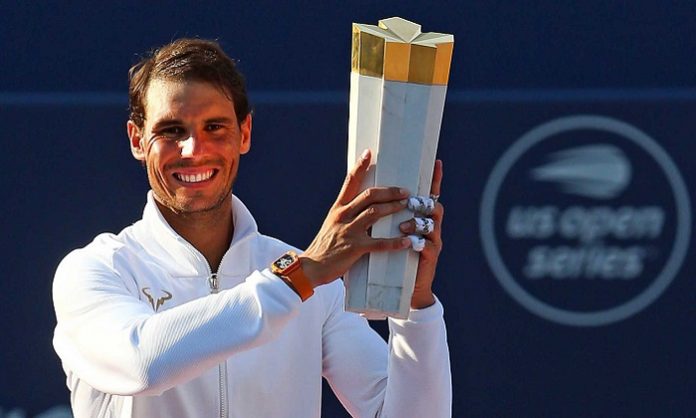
(160,300)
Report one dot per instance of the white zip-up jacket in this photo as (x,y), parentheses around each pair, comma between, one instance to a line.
(142,333)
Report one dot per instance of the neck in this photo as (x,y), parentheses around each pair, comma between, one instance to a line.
(210,232)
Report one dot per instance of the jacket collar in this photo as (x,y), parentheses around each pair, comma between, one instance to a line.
(173,250)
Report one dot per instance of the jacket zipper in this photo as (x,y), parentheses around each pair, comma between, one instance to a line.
(214,283)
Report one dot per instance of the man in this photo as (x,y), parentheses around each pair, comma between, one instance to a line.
(187,313)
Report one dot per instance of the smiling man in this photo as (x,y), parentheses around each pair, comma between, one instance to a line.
(191,312)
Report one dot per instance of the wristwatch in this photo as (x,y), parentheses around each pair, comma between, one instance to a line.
(289,268)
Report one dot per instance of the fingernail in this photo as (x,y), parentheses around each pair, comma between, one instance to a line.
(403,202)
(405,242)
(403,191)
(364,154)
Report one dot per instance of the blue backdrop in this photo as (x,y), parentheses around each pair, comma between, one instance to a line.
(517,67)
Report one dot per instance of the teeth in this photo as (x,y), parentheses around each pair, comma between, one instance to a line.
(194,178)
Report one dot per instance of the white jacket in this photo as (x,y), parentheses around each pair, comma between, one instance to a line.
(141,334)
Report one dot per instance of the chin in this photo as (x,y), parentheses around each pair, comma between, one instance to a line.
(200,204)
(192,207)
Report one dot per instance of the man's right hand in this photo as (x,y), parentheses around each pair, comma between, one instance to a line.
(343,237)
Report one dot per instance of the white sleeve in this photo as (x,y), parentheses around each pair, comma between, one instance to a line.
(420,381)
(410,377)
(116,344)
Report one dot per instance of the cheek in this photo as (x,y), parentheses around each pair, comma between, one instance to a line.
(156,153)
(154,174)
(154,147)
(154,158)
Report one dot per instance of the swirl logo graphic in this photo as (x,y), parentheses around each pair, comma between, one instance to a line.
(585,220)
(595,171)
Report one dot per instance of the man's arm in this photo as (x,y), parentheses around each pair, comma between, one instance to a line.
(118,345)
(410,378)
(420,383)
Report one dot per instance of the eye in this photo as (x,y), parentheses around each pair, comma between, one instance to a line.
(212,127)
(172,132)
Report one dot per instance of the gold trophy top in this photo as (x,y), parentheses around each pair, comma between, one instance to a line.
(397,50)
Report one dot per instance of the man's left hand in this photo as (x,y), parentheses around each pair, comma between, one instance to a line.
(422,293)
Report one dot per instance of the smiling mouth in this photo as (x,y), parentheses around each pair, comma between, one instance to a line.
(195,178)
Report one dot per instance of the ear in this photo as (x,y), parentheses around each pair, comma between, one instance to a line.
(136,143)
(245,130)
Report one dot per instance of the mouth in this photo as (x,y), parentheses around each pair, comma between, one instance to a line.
(198,177)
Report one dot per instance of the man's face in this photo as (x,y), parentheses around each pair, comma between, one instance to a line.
(190,143)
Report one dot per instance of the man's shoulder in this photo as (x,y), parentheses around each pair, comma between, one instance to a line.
(101,251)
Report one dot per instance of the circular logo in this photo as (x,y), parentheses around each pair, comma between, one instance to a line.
(585,220)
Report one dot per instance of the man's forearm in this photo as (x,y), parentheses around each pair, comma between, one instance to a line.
(120,351)
(420,383)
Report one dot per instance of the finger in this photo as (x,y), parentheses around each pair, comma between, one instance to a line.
(424,225)
(418,225)
(437,178)
(388,244)
(373,213)
(437,216)
(423,205)
(408,227)
(376,195)
(417,243)
(430,252)
(438,213)
(435,235)
(354,179)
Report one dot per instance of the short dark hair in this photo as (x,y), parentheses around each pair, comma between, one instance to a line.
(187,60)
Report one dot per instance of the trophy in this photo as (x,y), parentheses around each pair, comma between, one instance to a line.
(398,83)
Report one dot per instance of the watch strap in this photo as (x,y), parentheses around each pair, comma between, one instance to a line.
(294,277)
(300,283)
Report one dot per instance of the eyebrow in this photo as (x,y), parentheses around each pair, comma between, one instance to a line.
(219,120)
(166,122)
(171,122)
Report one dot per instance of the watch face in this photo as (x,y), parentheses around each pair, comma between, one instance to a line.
(283,262)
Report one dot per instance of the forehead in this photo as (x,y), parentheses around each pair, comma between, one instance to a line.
(185,99)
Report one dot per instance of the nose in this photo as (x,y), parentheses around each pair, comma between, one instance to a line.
(190,146)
